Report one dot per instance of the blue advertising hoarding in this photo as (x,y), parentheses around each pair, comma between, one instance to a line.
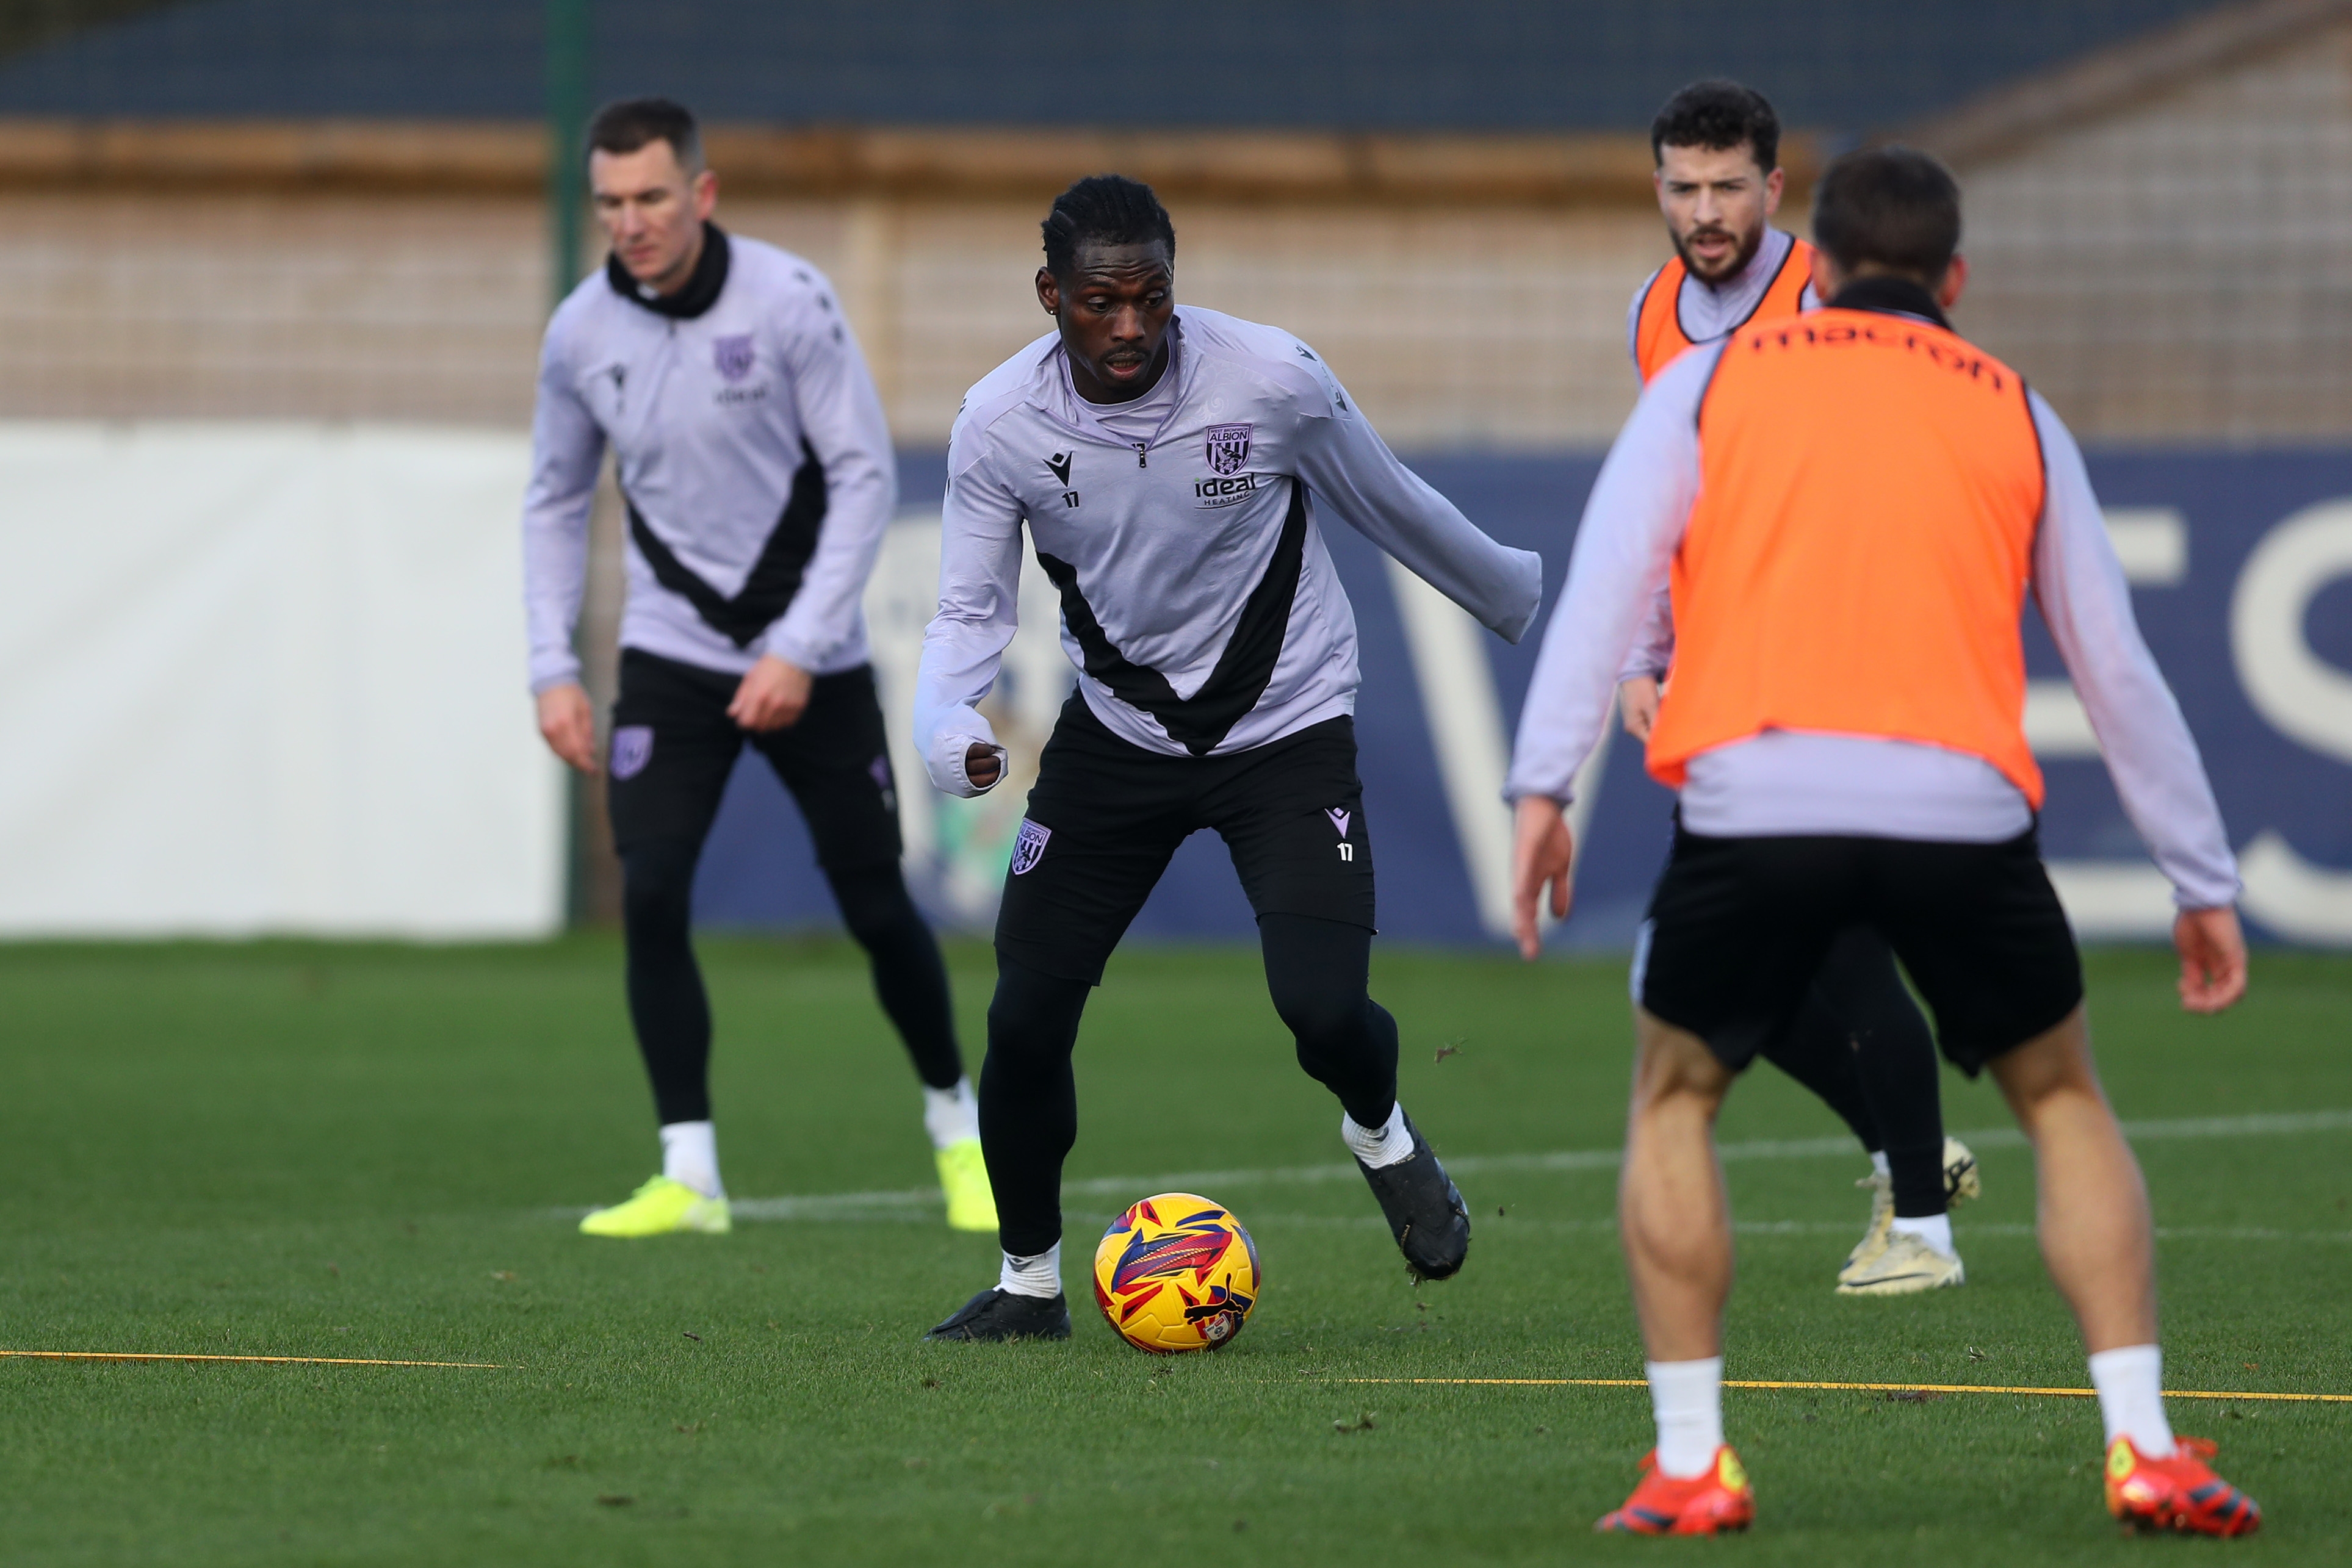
(2241,570)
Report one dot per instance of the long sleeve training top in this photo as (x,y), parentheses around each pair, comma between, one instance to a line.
(1198,603)
(1791,783)
(752,452)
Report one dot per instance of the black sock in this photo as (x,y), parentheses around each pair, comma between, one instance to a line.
(666,1001)
(1029,1101)
(909,977)
(1319,974)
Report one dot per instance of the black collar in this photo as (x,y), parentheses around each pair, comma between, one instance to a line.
(702,290)
(1884,292)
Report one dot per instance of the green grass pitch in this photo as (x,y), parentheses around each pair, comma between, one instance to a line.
(320,1150)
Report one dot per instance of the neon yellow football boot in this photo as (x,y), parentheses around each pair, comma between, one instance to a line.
(659,1208)
(963,1178)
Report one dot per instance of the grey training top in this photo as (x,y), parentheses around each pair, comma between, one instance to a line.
(753,450)
(1198,601)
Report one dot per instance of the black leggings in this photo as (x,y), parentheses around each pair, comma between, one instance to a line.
(1860,1044)
(1318,973)
(672,1012)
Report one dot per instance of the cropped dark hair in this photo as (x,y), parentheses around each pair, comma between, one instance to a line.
(1719,115)
(1104,209)
(627,124)
(1895,207)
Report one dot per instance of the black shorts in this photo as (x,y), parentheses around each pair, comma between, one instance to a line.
(673,747)
(1739,927)
(1106,816)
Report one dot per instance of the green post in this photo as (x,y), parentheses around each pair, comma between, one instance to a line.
(567,133)
(567,130)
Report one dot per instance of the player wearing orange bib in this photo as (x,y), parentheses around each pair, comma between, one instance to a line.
(1719,182)
(1852,507)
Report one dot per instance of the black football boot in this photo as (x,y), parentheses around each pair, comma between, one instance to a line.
(995,1314)
(1425,1213)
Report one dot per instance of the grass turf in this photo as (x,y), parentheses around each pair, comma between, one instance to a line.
(369,1152)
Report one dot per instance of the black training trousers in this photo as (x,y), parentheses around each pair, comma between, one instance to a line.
(672,749)
(1103,821)
(1860,1042)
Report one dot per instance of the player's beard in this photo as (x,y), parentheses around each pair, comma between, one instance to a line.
(1748,245)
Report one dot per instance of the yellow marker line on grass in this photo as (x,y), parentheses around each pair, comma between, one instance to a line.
(268,1360)
(1854,1387)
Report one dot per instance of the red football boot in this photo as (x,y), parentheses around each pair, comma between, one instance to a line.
(1705,1504)
(2178,1494)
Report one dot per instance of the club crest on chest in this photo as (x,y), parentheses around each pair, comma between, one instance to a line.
(733,355)
(1228,447)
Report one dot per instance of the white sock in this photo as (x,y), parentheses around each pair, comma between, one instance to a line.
(1878,1163)
(1687,1396)
(951,1116)
(1384,1146)
(1040,1276)
(690,1155)
(1935,1229)
(2130,1381)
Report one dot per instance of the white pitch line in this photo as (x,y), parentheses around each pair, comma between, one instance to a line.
(913,1202)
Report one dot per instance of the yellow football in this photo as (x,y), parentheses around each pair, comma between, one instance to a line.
(1176,1272)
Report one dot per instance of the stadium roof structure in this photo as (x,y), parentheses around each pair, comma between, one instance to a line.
(1837,66)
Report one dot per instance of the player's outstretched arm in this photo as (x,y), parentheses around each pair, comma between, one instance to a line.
(2212,951)
(1543,853)
(1351,470)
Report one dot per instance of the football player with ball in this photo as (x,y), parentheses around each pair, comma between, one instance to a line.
(1174,467)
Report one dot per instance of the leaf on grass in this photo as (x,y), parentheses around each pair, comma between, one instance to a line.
(503,1276)
(689,1334)
(1361,1424)
(1451,1047)
(1975,1354)
(615,1500)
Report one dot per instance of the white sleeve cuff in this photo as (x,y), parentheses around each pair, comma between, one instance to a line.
(963,785)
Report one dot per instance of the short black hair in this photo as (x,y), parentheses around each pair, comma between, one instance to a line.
(1104,209)
(1895,207)
(1719,115)
(627,124)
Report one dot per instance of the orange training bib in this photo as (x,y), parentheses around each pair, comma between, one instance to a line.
(1658,334)
(1860,552)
